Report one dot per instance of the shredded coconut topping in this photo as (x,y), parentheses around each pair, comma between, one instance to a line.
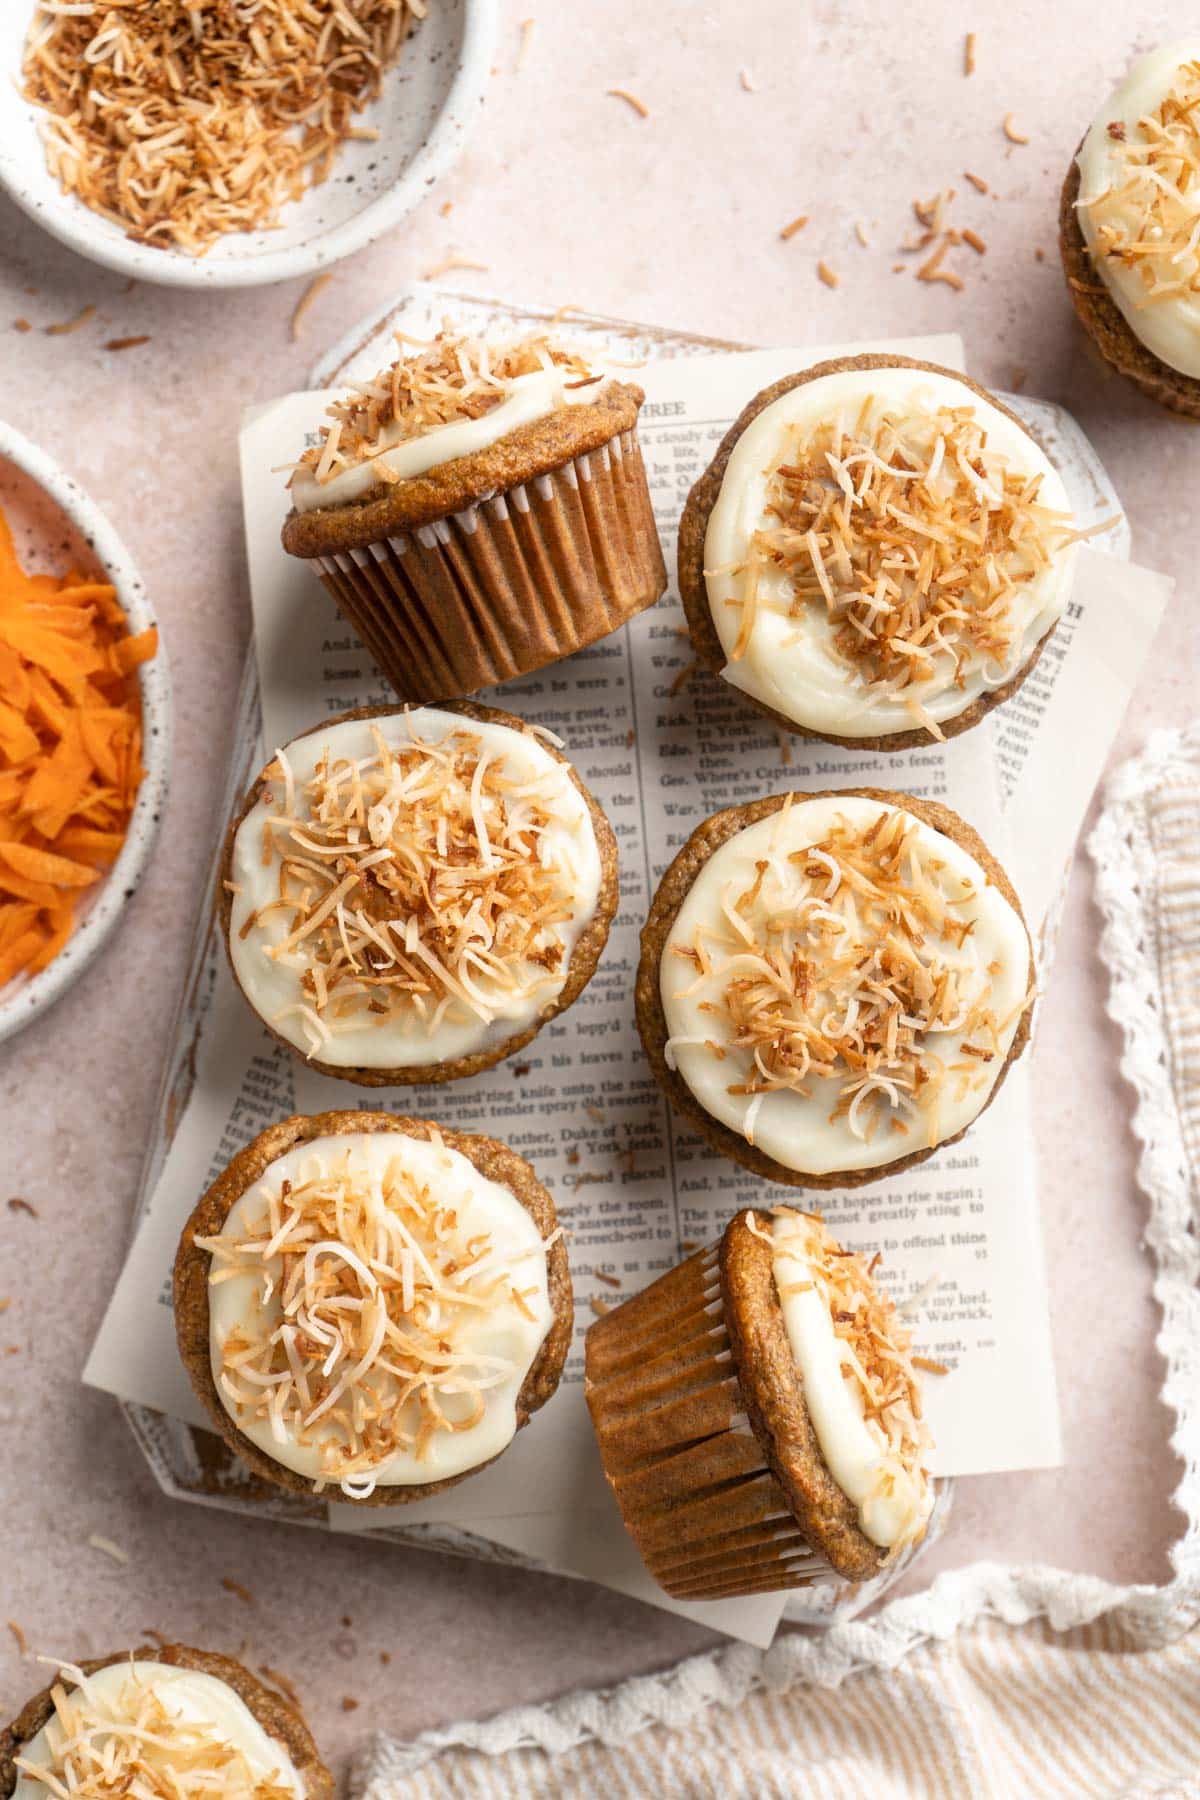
(183,122)
(432,383)
(137,1744)
(839,963)
(419,884)
(876,1351)
(1149,218)
(913,535)
(368,1285)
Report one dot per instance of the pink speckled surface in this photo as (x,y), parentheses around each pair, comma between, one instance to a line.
(674,219)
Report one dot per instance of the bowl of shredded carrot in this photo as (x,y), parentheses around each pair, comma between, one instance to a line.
(225,145)
(85,725)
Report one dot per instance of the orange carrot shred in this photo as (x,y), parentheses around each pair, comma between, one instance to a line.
(70,750)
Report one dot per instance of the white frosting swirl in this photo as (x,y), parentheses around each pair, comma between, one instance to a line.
(791,663)
(1169,327)
(799,1129)
(893,1502)
(206,1709)
(275,985)
(503,1330)
(527,398)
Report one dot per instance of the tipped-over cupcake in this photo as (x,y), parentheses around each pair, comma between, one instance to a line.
(373,1304)
(409,896)
(1127,227)
(834,985)
(478,510)
(877,553)
(759,1416)
(164,1724)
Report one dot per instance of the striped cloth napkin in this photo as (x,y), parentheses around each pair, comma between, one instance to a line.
(995,1683)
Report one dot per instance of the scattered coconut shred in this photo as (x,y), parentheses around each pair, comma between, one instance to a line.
(414,885)
(1146,218)
(137,1744)
(181,123)
(840,975)
(372,1284)
(914,536)
(875,1347)
(432,382)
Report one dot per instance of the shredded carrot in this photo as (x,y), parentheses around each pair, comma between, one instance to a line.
(70,750)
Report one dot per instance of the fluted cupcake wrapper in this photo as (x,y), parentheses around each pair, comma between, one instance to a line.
(509,584)
(689,1475)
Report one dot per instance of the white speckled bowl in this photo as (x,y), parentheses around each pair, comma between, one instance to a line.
(428,105)
(55,526)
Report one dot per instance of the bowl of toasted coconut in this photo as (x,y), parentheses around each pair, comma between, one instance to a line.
(229,143)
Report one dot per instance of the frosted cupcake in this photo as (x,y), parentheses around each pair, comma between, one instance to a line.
(409,895)
(155,1722)
(832,986)
(877,553)
(1127,228)
(759,1415)
(371,1305)
(478,510)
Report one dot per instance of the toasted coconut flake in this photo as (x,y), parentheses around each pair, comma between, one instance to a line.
(137,1743)
(747,81)
(128,343)
(840,970)
(876,1353)
(237,1588)
(181,123)
(67,326)
(793,226)
(527,26)
(19,1638)
(828,275)
(1146,221)
(929,1366)
(316,286)
(447,264)
(913,536)
(860,232)
(418,883)
(599,1305)
(631,100)
(432,383)
(975,241)
(977,182)
(969,53)
(1011,133)
(373,1282)
(107,1548)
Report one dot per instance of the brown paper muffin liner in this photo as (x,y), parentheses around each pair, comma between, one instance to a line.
(694,1489)
(509,584)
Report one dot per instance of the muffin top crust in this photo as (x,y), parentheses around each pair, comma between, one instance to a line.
(375,1305)
(1139,201)
(887,547)
(842,984)
(439,400)
(408,888)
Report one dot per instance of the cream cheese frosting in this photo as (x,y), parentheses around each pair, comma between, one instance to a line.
(527,398)
(391,1326)
(793,658)
(766,973)
(418,968)
(894,1498)
(188,1723)
(1139,201)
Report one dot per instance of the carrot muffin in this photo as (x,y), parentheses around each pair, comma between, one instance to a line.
(877,553)
(372,1304)
(833,985)
(409,896)
(478,510)
(1128,228)
(759,1416)
(163,1721)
